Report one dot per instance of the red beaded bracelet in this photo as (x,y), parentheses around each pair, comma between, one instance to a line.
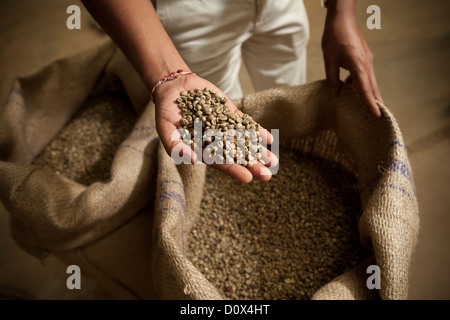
(170,76)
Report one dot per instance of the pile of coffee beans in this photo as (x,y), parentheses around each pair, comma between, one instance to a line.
(84,149)
(226,136)
(283,239)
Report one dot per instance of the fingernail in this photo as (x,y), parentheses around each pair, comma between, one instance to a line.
(265,171)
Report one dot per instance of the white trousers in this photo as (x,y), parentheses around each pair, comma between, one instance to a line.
(214,36)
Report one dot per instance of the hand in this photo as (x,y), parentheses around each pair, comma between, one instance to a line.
(168,117)
(344,46)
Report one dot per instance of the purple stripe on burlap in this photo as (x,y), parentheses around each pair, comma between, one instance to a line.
(173,181)
(17,90)
(403,191)
(399,166)
(397,143)
(175,196)
(17,103)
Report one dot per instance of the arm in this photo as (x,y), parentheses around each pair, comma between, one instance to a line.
(344,46)
(134,26)
(136,29)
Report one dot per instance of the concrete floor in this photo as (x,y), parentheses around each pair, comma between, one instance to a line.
(411,63)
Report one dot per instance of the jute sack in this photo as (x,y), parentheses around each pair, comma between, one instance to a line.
(129,233)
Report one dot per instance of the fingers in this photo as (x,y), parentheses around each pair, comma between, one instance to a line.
(168,119)
(375,88)
(266,136)
(182,153)
(269,158)
(363,85)
(260,172)
(362,79)
(377,94)
(235,171)
(332,74)
(353,54)
(172,142)
(246,174)
(366,83)
(373,80)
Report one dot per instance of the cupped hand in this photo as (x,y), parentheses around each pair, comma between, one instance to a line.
(168,117)
(344,46)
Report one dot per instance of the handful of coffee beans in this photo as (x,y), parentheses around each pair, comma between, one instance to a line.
(208,124)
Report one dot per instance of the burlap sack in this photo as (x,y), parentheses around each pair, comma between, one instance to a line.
(129,234)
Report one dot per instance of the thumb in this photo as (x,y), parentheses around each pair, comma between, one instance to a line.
(172,142)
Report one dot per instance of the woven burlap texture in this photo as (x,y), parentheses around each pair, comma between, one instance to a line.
(129,233)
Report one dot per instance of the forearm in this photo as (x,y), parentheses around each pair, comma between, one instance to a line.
(344,46)
(135,28)
(342,9)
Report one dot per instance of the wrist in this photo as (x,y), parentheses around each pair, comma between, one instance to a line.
(167,81)
(155,72)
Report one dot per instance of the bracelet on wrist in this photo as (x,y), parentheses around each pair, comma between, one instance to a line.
(171,76)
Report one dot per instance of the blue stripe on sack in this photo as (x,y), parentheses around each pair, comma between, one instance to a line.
(172,181)
(17,90)
(149,138)
(398,143)
(399,166)
(175,196)
(17,103)
(403,191)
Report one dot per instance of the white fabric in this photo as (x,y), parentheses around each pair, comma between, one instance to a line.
(214,36)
